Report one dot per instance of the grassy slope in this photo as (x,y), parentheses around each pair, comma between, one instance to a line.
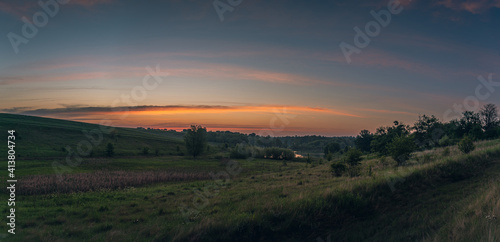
(436,198)
(447,198)
(45,137)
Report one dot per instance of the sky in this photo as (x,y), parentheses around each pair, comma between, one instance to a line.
(273,67)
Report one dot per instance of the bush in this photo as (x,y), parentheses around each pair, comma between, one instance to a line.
(242,151)
(110,150)
(401,148)
(279,153)
(445,141)
(145,150)
(337,169)
(466,145)
(354,171)
(353,157)
(383,161)
(446,151)
(329,157)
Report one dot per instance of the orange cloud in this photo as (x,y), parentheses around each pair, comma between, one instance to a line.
(181,109)
(172,110)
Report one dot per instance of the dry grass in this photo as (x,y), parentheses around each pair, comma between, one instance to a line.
(83,182)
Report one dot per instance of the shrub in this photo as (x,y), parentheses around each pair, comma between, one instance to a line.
(279,153)
(329,157)
(242,151)
(401,148)
(353,157)
(354,171)
(332,147)
(445,141)
(110,150)
(466,145)
(238,153)
(145,150)
(446,151)
(338,168)
(383,160)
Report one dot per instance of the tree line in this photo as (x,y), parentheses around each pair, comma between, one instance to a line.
(399,140)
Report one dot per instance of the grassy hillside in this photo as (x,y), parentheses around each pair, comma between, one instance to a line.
(439,195)
(44,137)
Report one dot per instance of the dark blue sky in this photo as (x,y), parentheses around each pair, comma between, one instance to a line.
(263,54)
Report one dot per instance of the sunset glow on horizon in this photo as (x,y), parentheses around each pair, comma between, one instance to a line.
(267,64)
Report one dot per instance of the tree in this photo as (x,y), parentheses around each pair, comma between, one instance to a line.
(466,145)
(110,150)
(277,153)
(196,140)
(470,124)
(337,168)
(385,135)
(332,148)
(353,157)
(401,148)
(489,120)
(363,140)
(428,131)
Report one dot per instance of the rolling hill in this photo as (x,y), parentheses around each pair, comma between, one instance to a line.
(46,137)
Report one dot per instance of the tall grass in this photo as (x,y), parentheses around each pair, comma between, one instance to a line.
(360,198)
(83,182)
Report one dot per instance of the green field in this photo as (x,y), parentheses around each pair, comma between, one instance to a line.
(435,197)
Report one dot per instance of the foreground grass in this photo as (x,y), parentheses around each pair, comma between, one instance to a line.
(410,203)
(114,214)
(434,198)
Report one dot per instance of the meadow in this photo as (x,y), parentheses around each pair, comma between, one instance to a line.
(440,194)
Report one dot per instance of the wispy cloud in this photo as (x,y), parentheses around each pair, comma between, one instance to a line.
(16,109)
(90,3)
(96,75)
(472,6)
(387,111)
(17,8)
(21,8)
(56,71)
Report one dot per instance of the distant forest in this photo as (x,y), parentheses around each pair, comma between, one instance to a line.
(313,144)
